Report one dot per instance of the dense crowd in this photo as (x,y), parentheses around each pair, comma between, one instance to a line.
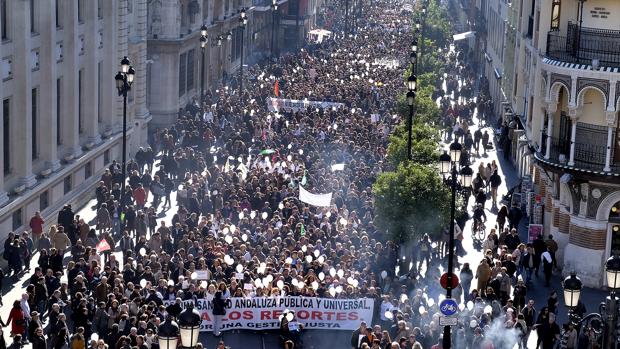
(231,176)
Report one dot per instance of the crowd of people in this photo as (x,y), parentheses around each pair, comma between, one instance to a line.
(229,176)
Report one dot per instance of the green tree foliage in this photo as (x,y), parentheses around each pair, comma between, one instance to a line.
(410,202)
(424,144)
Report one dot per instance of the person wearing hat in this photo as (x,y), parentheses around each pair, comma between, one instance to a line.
(34,324)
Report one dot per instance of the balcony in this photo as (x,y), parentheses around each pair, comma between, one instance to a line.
(585,46)
(590,150)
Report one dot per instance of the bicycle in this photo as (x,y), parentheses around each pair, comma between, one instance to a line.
(478,231)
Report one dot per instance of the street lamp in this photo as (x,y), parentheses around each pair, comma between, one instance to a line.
(168,334)
(189,325)
(412,86)
(448,166)
(243,20)
(204,39)
(124,79)
(274,8)
(608,310)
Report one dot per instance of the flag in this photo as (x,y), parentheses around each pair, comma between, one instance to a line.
(103,246)
(304,180)
(303,230)
(267,151)
(276,89)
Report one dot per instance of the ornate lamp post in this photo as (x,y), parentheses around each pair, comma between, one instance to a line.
(608,310)
(448,166)
(124,79)
(243,20)
(204,39)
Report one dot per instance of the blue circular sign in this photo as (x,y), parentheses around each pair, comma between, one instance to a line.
(448,307)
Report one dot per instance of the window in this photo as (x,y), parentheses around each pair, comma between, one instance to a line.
(99,65)
(33,16)
(106,157)
(6,132)
(88,170)
(58,111)
(80,119)
(68,182)
(58,14)
(17,219)
(293,8)
(44,200)
(190,69)
(3,19)
(35,151)
(555,14)
(80,4)
(182,72)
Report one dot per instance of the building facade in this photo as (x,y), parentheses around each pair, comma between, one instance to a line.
(61,114)
(175,53)
(562,82)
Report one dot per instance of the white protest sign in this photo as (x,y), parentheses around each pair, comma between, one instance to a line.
(322,200)
(262,313)
(293,105)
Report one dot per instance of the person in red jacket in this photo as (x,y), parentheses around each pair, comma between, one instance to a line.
(36,225)
(139,194)
(17,319)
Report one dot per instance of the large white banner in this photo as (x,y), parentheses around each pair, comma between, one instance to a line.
(263,313)
(281,104)
(322,200)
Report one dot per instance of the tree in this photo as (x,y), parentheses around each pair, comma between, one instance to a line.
(410,202)
(425,149)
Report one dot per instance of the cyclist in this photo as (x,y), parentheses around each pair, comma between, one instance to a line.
(479,217)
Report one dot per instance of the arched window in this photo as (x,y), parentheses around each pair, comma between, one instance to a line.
(555,14)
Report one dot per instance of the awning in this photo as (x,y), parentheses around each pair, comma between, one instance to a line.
(465,35)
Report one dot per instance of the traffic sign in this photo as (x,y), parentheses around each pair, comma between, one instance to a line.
(444,281)
(448,307)
(447,321)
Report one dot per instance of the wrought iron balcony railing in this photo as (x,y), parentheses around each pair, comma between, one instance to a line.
(585,46)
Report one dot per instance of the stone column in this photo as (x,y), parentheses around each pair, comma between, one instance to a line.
(47,91)
(574,113)
(90,78)
(21,103)
(122,33)
(111,64)
(139,85)
(549,136)
(611,122)
(4,198)
(70,87)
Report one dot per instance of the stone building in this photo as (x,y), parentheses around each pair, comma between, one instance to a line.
(61,114)
(175,53)
(565,92)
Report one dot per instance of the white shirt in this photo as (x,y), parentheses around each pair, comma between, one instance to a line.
(546,255)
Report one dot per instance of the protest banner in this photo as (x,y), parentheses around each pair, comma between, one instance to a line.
(262,313)
(294,105)
(322,200)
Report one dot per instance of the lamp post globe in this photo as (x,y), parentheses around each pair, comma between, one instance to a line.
(445,163)
(572,290)
(125,63)
(455,151)
(412,82)
(410,98)
(168,334)
(612,269)
(189,326)
(414,45)
(203,30)
(466,176)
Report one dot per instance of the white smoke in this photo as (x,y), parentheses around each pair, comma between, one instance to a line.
(501,336)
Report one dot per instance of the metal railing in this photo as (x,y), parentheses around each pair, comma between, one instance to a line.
(587,156)
(585,45)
